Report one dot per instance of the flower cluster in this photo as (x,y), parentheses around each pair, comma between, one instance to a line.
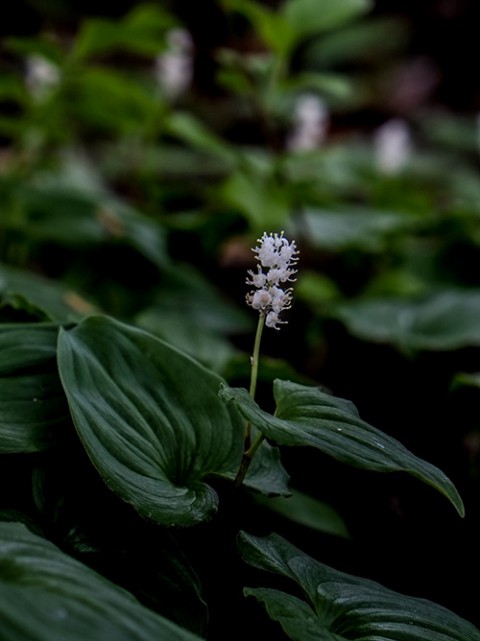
(41,77)
(310,124)
(174,67)
(392,146)
(276,256)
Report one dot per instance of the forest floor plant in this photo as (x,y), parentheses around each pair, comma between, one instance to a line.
(162,431)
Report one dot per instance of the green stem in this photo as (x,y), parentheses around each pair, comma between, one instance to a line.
(247,459)
(254,372)
(248,448)
(256,355)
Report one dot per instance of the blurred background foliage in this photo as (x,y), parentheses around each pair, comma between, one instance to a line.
(136,186)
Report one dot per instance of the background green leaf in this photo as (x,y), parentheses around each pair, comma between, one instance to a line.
(308,511)
(307,416)
(308,17)
(356,227)
(339,606)
(441,321)
(33,407)
(41,297)
(45,595)
(150,419)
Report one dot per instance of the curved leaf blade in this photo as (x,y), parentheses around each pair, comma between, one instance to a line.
(149,418)
(45,595)
(32,403)
(339,606)
(445,320)
(307,416)
(308,511)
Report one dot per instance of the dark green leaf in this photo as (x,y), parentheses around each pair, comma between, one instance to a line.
(46,595)
(441,321)
(185,291)
(306,17)
(45,298)
(140,32)
(356,228)
(340,607)
(73,206)
(191,131)
(270,25)
(296,617)
(307,416)
(308,511)
(184,331)
(263,201)
(32,403)
(150,419)
(266,473)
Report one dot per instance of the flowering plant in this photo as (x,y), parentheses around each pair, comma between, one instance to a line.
(276,255)
(154,473)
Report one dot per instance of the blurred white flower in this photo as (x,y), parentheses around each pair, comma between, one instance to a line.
(276,256)
(174,67)
(392,146)
(310,123)
(41,76)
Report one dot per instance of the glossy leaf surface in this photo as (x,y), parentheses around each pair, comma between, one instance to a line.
(339,606)
(307,416)
(149,418)
(32,403)
(45,595)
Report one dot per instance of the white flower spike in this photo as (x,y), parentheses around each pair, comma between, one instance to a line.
(276,256)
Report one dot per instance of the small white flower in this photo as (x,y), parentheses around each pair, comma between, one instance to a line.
(257,280)
(310,123)
(272,320)
(392,146)
(174,67)
(276,256)
(41,76)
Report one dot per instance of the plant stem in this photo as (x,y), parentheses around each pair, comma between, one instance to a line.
(247,459)
(248,448)
(254,372)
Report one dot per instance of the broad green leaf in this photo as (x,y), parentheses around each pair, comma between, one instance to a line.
(327,84)
(149,418)
(308,17)
(296,617)
(189,130)
(266,473)
(356,228)
(43,297)
(73,206)
(126,225)
(110,101)
(259,197)
(152,423)
(307,416)
(272,27)
(140,32)
(102,532)
(363,41)
(338,606)
(184,331)
(442,321)
(190,313)
(60,215)
(308,511)
(45,595)
(33,407)
(184,289)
